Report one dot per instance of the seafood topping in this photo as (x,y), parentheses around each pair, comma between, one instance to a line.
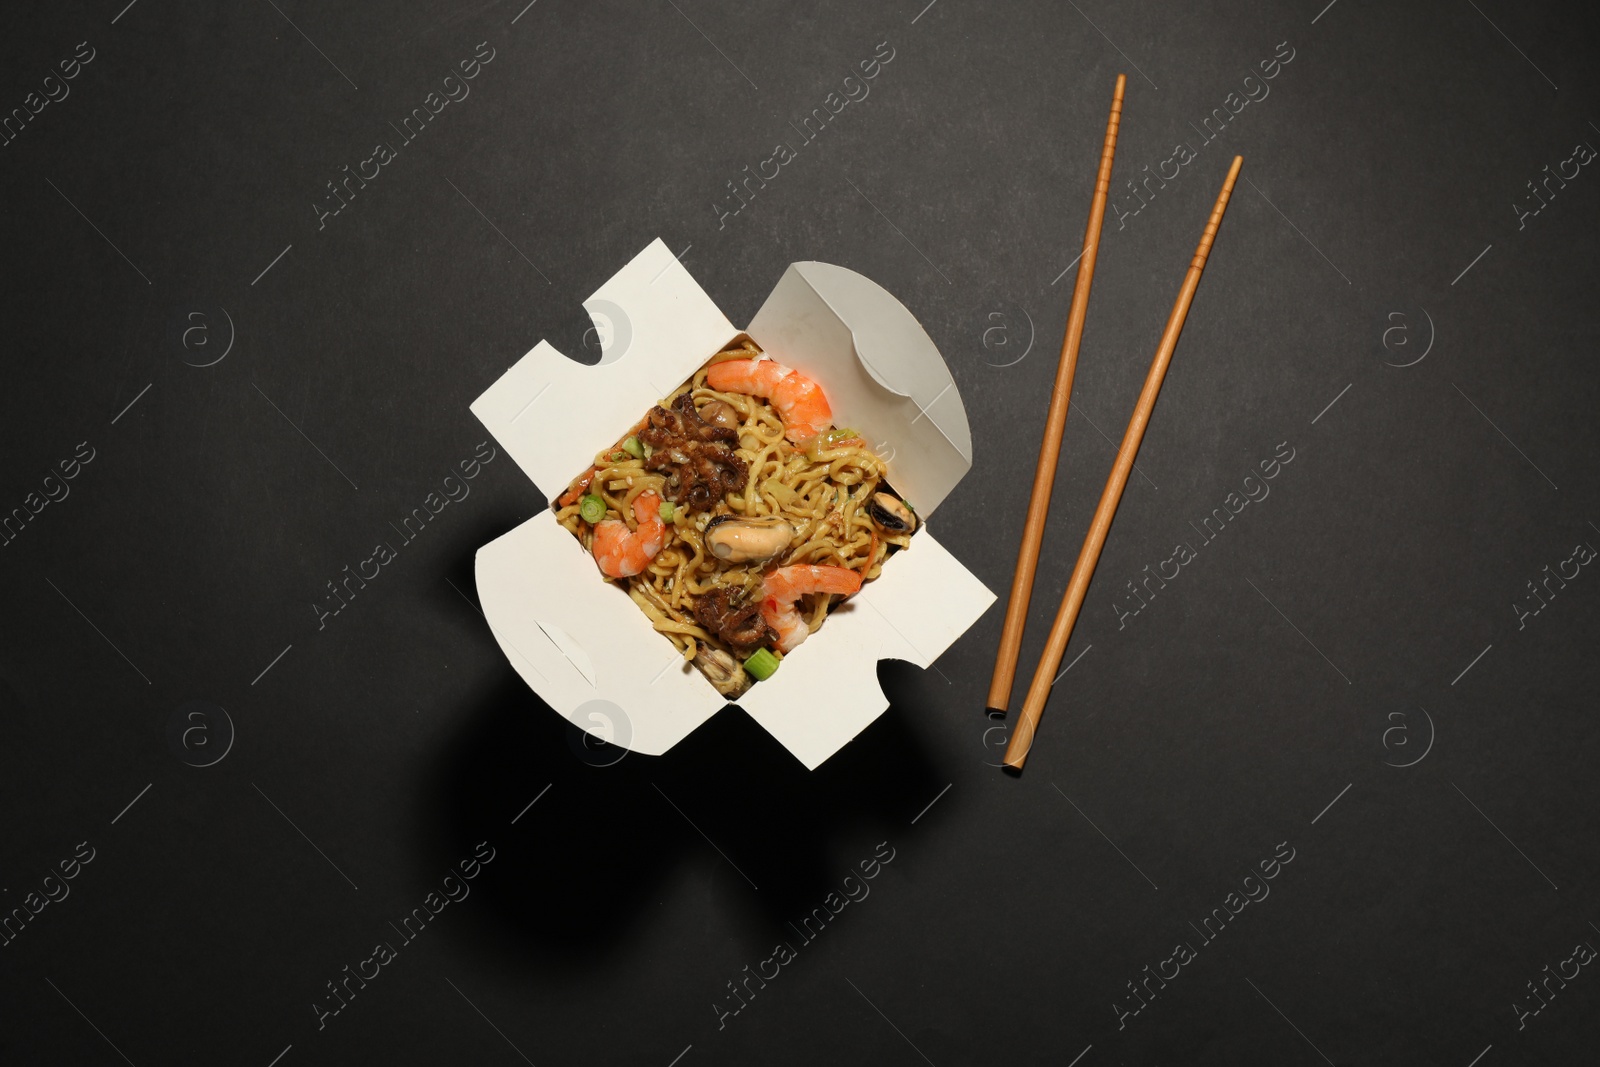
(722,671)
(622,553)
(747,540)
(726,613)
(799,400)
(891,513)
(682,419)
(782,589)
(697,512)
(700,466)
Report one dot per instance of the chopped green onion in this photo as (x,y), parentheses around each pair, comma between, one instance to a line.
(761,664)
(632,446)
(824,441)
(592,508)
(667,511)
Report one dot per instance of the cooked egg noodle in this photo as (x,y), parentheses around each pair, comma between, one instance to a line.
(823,494)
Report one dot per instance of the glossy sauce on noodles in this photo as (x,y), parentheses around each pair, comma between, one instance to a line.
(821,490)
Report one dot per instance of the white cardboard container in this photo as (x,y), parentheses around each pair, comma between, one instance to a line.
(584,646)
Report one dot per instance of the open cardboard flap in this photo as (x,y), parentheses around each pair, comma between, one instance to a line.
(584,646)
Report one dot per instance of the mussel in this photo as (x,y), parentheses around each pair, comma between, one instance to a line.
(722,671)
(891,513)
(744,540)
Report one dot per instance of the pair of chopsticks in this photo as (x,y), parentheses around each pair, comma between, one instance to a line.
(1005,667)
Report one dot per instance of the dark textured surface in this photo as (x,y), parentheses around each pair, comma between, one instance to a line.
(1355,636)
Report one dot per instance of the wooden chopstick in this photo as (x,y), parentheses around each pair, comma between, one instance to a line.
(1044,475)
(1061,632)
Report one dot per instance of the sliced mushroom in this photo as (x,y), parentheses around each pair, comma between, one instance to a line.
(720,413)
(736,540)
(722,671)
(891,513)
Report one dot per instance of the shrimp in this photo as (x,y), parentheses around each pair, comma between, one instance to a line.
(799,400)
(786,585)
(622,553)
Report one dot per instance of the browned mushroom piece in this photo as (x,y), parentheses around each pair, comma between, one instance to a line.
(720,413)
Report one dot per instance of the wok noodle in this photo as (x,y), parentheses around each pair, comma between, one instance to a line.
(830,489)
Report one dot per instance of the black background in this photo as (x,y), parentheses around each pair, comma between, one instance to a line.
(1358,619)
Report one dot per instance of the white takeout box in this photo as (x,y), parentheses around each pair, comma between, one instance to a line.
(584,646)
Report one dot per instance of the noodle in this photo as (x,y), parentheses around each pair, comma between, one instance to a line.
(822,493)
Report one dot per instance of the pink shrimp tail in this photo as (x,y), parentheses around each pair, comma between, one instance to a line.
(800,401)
(622,553)
(785,586)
